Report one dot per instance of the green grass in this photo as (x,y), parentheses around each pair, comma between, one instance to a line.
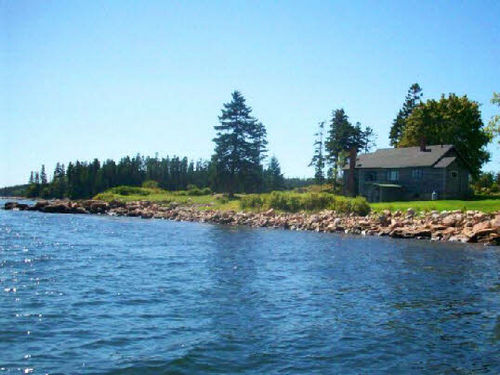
(281,201)
(289,201)
(129,194)
(485,205)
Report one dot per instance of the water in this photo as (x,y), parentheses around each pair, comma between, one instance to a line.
(101,295)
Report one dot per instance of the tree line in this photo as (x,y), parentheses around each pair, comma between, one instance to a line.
(237,165)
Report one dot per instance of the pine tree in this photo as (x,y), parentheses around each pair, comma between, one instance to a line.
(43,176)
(318,159)
(32,178)
(413,99)
(240,147)
(338,141)
(343,138)
(274,179)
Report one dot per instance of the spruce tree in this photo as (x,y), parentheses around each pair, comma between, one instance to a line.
(338,141)
(43,176)
(240,147)
(413,99)
(274,179)
(318,159)
(343,137)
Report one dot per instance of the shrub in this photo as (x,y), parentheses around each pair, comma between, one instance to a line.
(293,202)
(196,191)
(129,190)
(251,201)
(151,184)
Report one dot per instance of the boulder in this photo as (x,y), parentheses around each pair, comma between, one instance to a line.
(41,204)
(57,207)
(383,220)
(10,205)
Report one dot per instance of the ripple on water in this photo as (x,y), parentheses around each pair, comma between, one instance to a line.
(88,294)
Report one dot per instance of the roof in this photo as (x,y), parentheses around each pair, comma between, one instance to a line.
(404,157)
(444,162)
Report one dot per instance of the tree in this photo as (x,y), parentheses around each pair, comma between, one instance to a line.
(43,176)
(494,124)
(318,159)
(338,134)
(413,98)
(343,138)
(451,120)
(273,177)
(240,147)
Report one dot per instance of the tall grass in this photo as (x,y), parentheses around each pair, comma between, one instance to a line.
(294,202)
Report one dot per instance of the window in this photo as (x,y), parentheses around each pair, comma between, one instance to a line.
(454,174)
(393,175)
(417,173)
(370,176)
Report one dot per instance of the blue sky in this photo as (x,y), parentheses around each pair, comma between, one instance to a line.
(105,79)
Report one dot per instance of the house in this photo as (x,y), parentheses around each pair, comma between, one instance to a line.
(410,173)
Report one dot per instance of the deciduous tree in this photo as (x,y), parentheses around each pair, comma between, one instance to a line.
(451,120)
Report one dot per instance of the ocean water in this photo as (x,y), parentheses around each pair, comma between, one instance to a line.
(86,294)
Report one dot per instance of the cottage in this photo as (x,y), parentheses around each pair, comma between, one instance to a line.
(410,173)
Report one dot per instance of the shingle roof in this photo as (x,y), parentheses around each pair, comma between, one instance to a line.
(402,157)
(444,162)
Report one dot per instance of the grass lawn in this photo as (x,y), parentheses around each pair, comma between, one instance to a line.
(208,201)
(220,202)
(485,205)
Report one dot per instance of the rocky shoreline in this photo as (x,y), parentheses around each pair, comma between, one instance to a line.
(455,226)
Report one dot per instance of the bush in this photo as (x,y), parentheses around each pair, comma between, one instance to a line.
(293,202)
(151,184)
(251,201)
(129,190)
(193,190)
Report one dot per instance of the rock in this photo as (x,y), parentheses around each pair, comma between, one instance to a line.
(41,204)
(98,207)
(479,231)
(57,207)
(495,223)
(383,220)
(10,205)
(269,212)
(452,220)
(410,212)
(16,206)
(481,226)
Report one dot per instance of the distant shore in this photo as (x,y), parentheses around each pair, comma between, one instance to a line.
(454,226)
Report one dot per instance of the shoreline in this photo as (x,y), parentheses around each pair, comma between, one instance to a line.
(453,226)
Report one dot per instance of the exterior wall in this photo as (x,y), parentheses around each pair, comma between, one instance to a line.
(418,187)
(456,181)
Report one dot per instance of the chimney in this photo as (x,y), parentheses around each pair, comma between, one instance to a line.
(351,188)
(423,144)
